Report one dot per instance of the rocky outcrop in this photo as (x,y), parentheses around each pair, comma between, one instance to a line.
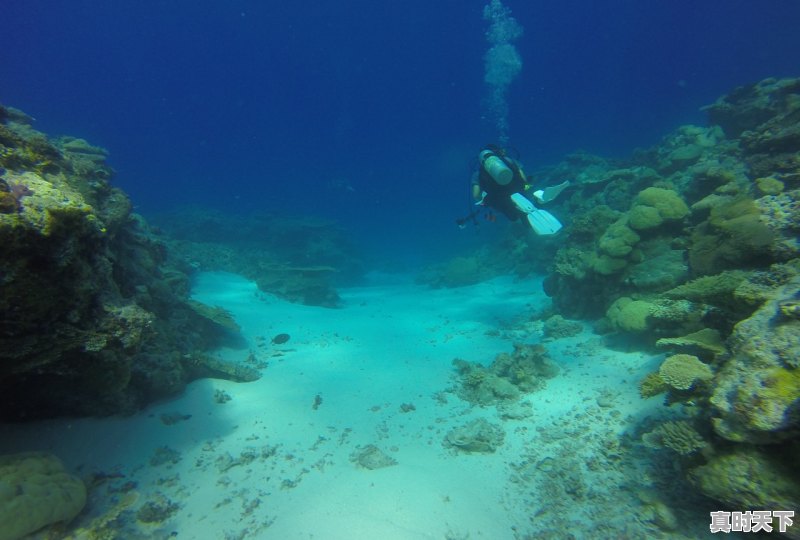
(94,320)
(302,260)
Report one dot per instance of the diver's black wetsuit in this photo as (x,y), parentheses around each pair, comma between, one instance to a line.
(499,196)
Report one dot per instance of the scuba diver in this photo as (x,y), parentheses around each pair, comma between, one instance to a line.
(499,183)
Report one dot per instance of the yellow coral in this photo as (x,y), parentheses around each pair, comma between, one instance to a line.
(783,385)
(652,385)
(618,240)
(644,217)
(629,315)
(36,491)
(680,371)
(769,185)
(654,206)
(706,339)
(605,265)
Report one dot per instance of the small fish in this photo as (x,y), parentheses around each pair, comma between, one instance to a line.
(280,339)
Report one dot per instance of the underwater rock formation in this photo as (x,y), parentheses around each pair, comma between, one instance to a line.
(751,477)
(302,260)
(95,319)
(756,397)
(731,298)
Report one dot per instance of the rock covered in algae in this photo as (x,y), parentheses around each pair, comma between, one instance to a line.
(757,390)
(751,477)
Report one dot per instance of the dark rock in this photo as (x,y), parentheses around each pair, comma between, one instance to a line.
(280,339)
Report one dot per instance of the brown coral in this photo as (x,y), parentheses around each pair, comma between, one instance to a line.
(679,436)
(652,385)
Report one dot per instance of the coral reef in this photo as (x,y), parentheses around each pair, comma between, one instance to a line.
(751,477)
(757,391)
(707,201)
(693,246)
(98,319)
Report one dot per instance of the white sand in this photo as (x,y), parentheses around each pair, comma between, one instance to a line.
(267,464)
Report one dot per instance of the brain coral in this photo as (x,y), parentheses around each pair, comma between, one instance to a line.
(629,315)
(682,370)
(618,239)
(36,491)
(654,206)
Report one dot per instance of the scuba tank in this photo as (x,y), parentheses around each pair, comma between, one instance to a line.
(496,167)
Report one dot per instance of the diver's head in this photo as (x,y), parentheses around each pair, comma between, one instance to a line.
(496,150)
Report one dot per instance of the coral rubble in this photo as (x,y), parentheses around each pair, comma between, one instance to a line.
(509,376)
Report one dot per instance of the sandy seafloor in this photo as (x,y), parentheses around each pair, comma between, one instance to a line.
(268,464)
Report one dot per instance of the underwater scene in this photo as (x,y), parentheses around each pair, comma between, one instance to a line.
(423,270)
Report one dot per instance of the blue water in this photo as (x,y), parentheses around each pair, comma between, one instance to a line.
(368,112)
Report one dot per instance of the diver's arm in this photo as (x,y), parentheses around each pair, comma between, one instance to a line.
(476,191)
(476,188)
